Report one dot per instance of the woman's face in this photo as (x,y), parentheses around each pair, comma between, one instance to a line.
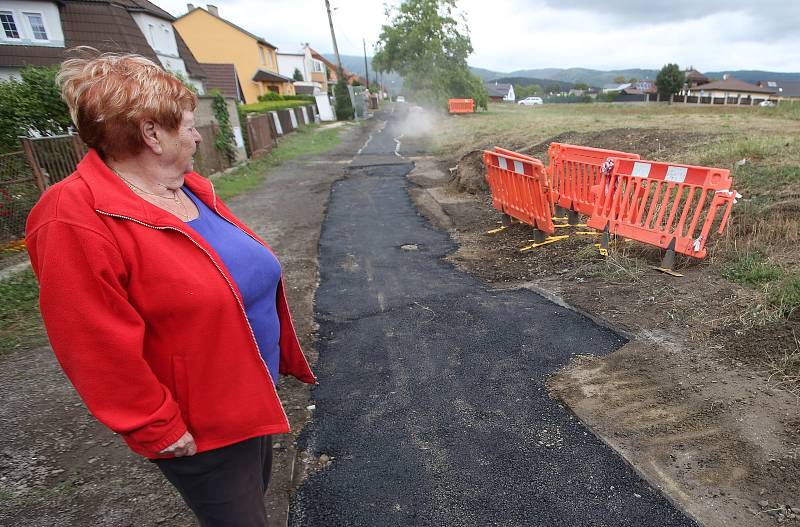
(181,144)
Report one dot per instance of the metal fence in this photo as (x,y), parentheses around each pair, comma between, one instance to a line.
(18,195)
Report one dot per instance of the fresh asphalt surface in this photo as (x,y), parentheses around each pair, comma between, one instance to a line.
(432,401)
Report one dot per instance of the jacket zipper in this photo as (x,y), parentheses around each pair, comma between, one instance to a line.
(233,291)
(214,204)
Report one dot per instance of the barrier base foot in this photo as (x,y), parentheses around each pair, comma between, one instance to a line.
(547,241)
(666,270)
(603,245)
(559,218)
(572,218)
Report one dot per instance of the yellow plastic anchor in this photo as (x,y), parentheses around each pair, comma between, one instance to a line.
(499,229)
(551,239)
(666,271)
(565,226)
(588,233)
(560,218)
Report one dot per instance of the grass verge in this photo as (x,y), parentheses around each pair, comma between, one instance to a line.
(20,323)
(306,141)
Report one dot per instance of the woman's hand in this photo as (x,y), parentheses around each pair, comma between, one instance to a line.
(182,447)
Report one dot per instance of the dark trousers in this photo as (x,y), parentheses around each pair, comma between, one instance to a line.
(224,487)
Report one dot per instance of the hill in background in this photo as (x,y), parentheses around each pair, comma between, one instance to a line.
(564,77)
(599,77)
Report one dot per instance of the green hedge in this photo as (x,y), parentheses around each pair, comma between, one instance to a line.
(270,106)
(272,96)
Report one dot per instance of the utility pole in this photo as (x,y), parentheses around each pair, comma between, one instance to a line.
(333,37)
(366,67)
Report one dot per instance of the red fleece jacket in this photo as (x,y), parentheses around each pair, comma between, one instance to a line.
(146,320)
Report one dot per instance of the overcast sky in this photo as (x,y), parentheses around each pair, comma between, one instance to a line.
(508,35)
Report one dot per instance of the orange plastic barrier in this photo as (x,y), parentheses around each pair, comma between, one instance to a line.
(461,106)
(667,205)
(574,170)
(520,188)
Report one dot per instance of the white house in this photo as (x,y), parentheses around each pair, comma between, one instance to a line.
(500,92)
(38,32)
(161,36)
(307,65)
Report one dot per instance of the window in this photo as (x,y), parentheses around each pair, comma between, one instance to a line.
(319,67)
(261,52)
(9,26)
(37,26)
(152,30)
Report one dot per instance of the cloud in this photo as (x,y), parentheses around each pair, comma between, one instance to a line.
(509,35)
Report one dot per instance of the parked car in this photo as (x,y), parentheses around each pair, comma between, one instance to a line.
(400,98)
(531,101)
(766,103)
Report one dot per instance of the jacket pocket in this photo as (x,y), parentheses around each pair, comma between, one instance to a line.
(181,387)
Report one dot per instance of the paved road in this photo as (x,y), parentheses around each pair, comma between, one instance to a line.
(432,400)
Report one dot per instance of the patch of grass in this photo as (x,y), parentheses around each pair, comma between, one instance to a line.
(785,296)
(20,322)
(760,179)
(306,141)
(785,369)
(752,269)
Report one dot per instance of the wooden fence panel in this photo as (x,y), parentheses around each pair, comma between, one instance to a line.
(286,121)
(53,158)
(259,132)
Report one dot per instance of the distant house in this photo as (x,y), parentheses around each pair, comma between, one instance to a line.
(39,32)
(215,40)
(615,87)
(500,92)
(645,86)
(782,89)
(730,87)
(693,78)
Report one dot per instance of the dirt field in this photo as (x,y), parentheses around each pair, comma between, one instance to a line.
(704,401)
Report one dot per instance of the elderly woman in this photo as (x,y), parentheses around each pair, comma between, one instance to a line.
(166,312)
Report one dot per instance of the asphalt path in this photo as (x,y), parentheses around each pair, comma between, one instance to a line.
(432,402)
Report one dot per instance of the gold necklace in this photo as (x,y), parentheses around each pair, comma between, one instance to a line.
(175,195)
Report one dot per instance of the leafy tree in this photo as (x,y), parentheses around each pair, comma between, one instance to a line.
(427,42)
(32,103)
(669,80)
(344,106)
(619,79)
(297,75)
(633,80)
(224,142)
(554,88)
(581,86)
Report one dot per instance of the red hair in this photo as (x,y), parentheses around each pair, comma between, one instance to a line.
(109,96)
